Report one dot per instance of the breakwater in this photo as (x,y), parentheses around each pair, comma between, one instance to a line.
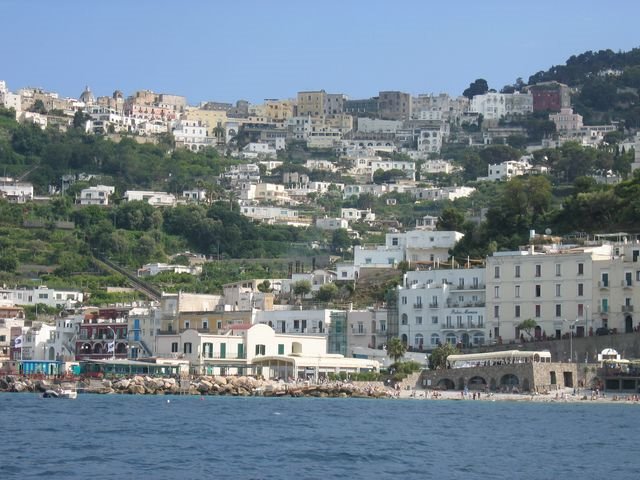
(202,385)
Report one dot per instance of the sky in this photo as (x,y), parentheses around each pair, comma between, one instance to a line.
(210,50)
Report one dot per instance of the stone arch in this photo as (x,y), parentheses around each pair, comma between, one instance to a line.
(510,380)
(477,383)
(526,387)
(121,348)
(446,384)
(97,348)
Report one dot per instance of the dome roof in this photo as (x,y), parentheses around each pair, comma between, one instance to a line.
(87,96)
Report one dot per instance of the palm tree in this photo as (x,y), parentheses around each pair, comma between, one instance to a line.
(396,349)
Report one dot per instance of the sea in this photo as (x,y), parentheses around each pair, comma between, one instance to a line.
(191,437)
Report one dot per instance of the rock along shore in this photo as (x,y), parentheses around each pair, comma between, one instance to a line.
(202,385)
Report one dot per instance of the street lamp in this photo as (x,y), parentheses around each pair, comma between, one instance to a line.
(572,324)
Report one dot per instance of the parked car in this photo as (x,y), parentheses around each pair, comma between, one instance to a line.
(603,331)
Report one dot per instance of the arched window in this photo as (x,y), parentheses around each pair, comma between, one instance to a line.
(405,319)
(418,340)
(478,338)
(451,338)
(435,339)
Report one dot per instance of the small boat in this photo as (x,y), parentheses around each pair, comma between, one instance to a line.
(61,392)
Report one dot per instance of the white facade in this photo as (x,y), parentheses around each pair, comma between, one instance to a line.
(156,199)
(443,306)
(553,288)
(331,223)
(98,195)
(191,134)
(16,192)
(566,120)
(356,215)
(441,193)
(151,269)
(42,295)
(273,214)
(359,189)
(423,246)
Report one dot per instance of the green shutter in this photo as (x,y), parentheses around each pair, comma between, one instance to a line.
(281,349)
(223,350)
(240,350)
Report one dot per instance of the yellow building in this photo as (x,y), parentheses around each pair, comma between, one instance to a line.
(210,118)
(278,110)
(312,104)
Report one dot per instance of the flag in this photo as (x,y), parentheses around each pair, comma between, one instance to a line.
(17,342)
(111,346)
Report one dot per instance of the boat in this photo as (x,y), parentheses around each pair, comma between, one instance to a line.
(63,391)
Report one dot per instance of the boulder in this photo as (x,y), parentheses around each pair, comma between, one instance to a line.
(136,389)
(220,380)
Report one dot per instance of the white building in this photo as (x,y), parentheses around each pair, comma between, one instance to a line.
(41,295)
(156,199)
(98,195)
(331,223)
(443,306)
(16,192)
(273,215)
(566,120)
(191,134)
(357,215)
(151,269)
(554,287)
(511,168)
(441,193)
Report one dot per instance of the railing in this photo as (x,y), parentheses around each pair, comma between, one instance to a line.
(433,305)
(603,284)
(355,331)
(417,305)
(218,356)
(626,308)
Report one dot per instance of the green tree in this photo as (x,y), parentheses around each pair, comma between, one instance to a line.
(340,240)
(265,286)
(396,349)
(477,87)
(439,355)
(301,288)
(327,292)
(451,219)
(528,325)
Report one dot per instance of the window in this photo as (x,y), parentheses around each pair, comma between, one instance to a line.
(605,280)
(449,324)
(538,270)
(517,291)
(394,241)
(538,290)
(538,311)
(627,279)
(496,272)
(459,323)
(496,292)
(581,269)
(205,324)
(434,319)
(418,320)
(281,349)
(558,270)
(260,349)
(517,312)
(174,347)
(558,290)
(580,309)
(187,348)
(405,319)
(604,305)
(404,300)
(435,339)
(496,311)
(187,324)
(517,273)
(558,310)
(580,289)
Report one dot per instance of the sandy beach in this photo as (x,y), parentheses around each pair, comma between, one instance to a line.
(561,396)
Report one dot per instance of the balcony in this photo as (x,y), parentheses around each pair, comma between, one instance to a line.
(433,305)
(226,356)
(356,331)
(626,308)
(626,284)
(603,285)
(417,306)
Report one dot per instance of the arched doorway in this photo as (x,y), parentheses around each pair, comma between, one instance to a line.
(537,332)
(446,384)
(404,338)
(477,383)
(52,353)
(628,324)
(525,385)
(509,381)
(465,340)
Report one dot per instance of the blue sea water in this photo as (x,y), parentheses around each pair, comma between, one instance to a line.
(189,437)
